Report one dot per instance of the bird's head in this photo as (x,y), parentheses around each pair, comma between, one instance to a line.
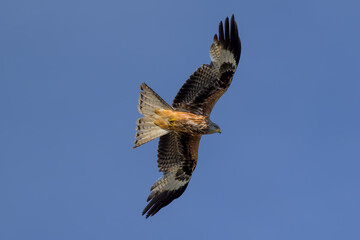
(214,128)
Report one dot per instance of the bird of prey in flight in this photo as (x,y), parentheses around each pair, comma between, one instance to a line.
(181,125)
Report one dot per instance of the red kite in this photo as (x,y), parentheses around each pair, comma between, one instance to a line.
(181,126)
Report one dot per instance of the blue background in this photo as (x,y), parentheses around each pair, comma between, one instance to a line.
(285,167)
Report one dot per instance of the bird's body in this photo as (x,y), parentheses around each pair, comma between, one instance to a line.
(184,122)
(181,125)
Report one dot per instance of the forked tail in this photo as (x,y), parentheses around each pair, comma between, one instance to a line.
(148,102)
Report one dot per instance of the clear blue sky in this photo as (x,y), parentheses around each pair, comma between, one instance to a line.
(285,167)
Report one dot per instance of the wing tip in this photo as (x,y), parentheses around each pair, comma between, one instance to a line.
(216,38)
(231,39)
(161,199)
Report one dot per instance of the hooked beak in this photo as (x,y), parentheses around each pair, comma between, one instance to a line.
(218,130)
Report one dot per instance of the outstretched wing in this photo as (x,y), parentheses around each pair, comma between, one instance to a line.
(209,82)
(177,158)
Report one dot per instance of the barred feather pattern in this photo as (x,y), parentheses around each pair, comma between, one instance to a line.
(147,131)
(177,158)
(193,93)
(148,102)
(209,82)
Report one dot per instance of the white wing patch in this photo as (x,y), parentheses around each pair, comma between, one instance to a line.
(219,56)
(167,183)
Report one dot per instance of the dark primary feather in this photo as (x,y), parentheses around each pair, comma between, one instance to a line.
(206,85)
(161,200)
(177,157)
